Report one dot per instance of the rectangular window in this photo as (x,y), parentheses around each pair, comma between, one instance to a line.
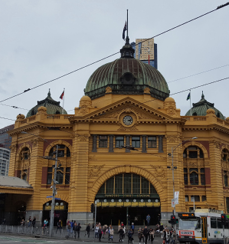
(118,184)
(110,186)
(185,176)
(186,198)
(49,176)
(136,141)
(204,198)
(103,141)
(202,176)
(195,198)
(213,223)
(136,184)
(60,175)
(152,142)
(145,186)
(127,183)
(67,176)
(119,141)
(227,203)
(192,154)
(225,178)
(219,224)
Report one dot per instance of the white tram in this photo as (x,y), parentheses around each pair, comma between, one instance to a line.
(203,226)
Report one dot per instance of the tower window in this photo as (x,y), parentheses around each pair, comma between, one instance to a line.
(136,141)
(102,141)
(152,141)
(119,141)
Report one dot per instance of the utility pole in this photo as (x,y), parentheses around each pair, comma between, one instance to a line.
(53,195)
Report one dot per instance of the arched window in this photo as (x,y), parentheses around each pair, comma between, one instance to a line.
(225,155)
(225,177)
(193,152)
(57,112)
(24,177)
(63,151)
(194,178)
(24,155)
(194,114)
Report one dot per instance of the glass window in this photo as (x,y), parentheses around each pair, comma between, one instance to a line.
(127,183)
(145,185)
(103,141)
(219,224)
(63,151)
(118,184)
(110,186)
(225,178)
(185,170)
(213,223)
(136,184)
(193,169)
(202,176)
(102,189)
(152,141)
(59,176)
(194,179)
(186,198)
(204,198)
(185,179)
(195,198)
(136,141)
(227,203)
(192,154)
(119,141)
(152,189)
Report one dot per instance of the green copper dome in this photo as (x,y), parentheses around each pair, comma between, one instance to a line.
(52,106)
(200,108)
(127,75)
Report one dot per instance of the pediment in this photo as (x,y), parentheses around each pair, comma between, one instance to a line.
(114,111)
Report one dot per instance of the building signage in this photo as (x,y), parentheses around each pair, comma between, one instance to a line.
(186,233)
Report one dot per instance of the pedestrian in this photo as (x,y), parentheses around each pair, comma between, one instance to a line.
(96,231)
(88,229)
(22,222)
(58,226)
(78,230)
(132,227)
(100,233)
(72,223)
(111,233)
(167,236)
(130,236)
(145,233)
(148,219)
(45,224)
(29,221)
(140,235)
(69,229)
(34,221)
(151,235)
(121,234)
(75,228)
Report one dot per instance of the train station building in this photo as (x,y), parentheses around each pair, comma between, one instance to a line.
(126,103)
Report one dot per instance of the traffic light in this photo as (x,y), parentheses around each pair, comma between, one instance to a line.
(92,208)
(223,219)
(173,219)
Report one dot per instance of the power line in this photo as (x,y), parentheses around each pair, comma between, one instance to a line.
(83,67)
(199,73)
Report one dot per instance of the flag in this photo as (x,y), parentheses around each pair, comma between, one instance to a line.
(123,33)
(189,96)
(62,95)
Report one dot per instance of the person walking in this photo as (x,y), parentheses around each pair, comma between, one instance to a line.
(132,227)
(58,226)
(34,222)
(100,233)
(121,234)
(145,233)
(151,235)
(96,231)
(140,235)
(111,234)
(148,219)
(75,228)
(72,224)
(29,221)
(78,230)
(88,229)
(68,230)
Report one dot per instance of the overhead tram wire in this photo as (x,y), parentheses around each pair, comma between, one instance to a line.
(175,93)
(90,64)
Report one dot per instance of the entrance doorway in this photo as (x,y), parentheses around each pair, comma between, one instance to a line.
(127,198)
(61,212)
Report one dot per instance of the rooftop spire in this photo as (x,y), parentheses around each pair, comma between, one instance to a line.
(202,96)
(49,93)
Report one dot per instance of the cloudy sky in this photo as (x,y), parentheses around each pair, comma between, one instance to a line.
(42,40)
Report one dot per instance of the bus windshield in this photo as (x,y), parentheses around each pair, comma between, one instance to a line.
(189,224)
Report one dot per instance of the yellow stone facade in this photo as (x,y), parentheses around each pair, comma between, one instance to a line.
(90,166)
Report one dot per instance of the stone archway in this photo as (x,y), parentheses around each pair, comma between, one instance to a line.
(194,143)
(55,143)
(126,169)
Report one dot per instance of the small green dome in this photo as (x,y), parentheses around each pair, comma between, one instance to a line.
(53,107)
(200,108)
(127,75)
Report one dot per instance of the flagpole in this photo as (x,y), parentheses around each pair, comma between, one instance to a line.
(63,102)
(190,103)
(127,23)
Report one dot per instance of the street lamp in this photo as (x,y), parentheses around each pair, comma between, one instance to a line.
(173,168)
(54,184)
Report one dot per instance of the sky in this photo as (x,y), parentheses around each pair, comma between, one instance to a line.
(42,40)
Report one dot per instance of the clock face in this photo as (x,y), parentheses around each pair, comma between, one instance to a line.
(128,120)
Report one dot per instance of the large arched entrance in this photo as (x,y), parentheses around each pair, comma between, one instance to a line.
(127,198)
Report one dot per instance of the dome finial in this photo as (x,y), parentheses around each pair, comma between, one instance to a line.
(49,93)
(202,96)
